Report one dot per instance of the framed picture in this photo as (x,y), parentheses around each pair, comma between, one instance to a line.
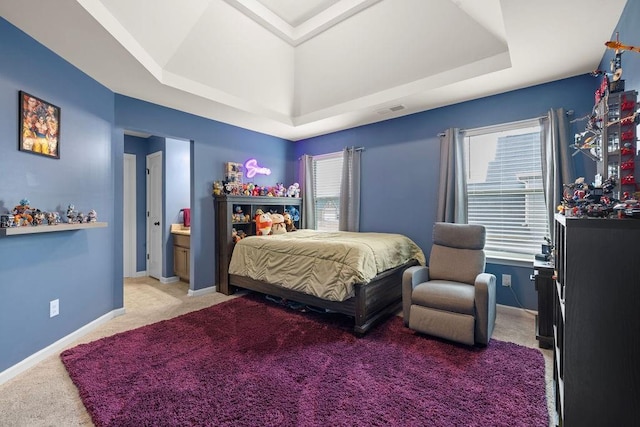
(39,126)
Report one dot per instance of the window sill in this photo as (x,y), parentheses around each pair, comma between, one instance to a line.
(516,262)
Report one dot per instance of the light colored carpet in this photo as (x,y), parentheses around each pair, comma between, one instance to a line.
(45,396)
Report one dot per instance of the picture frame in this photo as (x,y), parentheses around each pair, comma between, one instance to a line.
(39,126)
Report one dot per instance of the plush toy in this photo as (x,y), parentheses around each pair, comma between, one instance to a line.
(293,190)
(218,188)
(295,213)
(279,190)
(238,216)
(278,226)
(263,224)
(237,235)
(288,222)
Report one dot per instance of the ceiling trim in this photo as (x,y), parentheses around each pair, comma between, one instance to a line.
(297,35)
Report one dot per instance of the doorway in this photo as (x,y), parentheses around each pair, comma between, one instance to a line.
(162,184)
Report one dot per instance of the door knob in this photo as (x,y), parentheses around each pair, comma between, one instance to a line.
(156,223)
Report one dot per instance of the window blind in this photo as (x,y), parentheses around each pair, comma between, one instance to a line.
(505,190)
(327,170)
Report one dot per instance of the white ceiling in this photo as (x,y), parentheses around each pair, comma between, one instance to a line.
(297,69)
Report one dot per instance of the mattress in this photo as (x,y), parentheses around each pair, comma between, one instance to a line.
(322,264)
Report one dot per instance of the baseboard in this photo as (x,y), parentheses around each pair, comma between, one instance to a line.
(167,280)
(516,310)
(57,346)
(140,273)
(203,291)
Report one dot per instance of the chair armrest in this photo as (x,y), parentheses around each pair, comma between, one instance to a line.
(411,278)
(485,296)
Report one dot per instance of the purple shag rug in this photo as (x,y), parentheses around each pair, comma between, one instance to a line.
(249,362)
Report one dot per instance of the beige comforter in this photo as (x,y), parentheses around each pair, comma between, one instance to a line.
(323,264)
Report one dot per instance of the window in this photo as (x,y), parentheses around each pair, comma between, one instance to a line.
(504,188)
(327,170)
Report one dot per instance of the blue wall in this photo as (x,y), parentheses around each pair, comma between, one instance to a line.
(213,144)
(177,178)
(83,268)
(400,164)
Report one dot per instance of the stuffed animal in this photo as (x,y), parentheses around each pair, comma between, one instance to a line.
(288,222)
(238,216)
(218,188)
(237,235)
(295,213)
(278,226)
(293,190)
(263,224)
(279,190)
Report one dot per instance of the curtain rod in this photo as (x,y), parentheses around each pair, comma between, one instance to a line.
(568,113)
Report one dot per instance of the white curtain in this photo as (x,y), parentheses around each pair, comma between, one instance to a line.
(557,165)
(452,190)
(350,190)
(308,200)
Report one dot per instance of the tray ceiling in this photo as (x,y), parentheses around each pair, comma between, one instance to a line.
(298,69)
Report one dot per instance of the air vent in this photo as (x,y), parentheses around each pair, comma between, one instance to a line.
(392,109)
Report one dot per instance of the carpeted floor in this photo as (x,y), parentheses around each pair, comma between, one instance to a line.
(45,395)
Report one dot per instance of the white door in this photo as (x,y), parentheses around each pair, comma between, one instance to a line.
(154,215)
(129,216)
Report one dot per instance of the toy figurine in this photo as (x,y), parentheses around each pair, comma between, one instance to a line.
(53,218)
(7,221)
(38,217)
(92,216)
(71,214)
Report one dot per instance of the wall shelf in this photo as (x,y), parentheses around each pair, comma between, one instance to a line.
(12,231)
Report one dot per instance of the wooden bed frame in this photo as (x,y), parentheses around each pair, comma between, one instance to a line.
(372,302)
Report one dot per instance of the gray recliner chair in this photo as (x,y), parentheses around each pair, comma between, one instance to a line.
(452,297)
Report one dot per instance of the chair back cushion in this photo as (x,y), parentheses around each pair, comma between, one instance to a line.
(457,253)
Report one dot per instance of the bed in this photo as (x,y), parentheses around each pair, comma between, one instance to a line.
(356,274)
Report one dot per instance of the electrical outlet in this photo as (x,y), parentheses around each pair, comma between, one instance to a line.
(54,307)
(506,280)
